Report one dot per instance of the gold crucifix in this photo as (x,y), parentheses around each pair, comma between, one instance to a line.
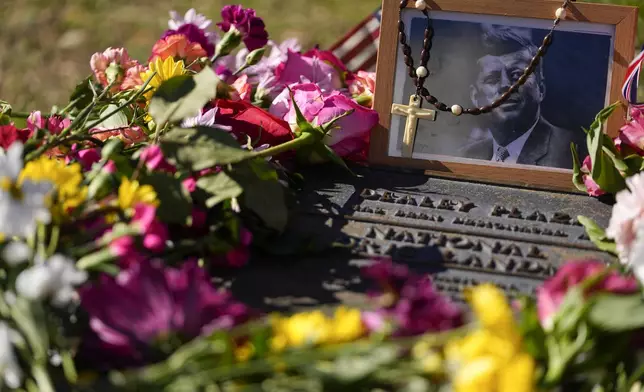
(413,112)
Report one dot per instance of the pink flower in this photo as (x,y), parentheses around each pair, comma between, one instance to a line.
(251,27)
(349,135)
(86,157)
(591,186)
(239,256)
(363,87)
(154,160)
(148,304)
(626,224)
(301,69)
(115,64)
(53,124)
(129,135)
(552,292)
(328,57)
(632,133)
(154,235)
(110,167)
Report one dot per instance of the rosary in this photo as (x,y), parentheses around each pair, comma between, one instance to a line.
(413,111)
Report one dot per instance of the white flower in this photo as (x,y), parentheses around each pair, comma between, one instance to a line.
(22,206)
(206,119)
(626,225)
(191,17)
(9,368)
(16,252)
(54,279)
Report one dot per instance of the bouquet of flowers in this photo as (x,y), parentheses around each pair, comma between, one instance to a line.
(116,209)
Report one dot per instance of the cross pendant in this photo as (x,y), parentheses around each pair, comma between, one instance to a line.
(413,112)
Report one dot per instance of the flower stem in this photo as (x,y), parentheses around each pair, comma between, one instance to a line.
(302,140)
(42,378)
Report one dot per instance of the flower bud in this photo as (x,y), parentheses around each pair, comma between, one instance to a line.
(113,73)
(228,43)
(255,56)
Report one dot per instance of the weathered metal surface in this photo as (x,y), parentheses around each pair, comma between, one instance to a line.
(461,233)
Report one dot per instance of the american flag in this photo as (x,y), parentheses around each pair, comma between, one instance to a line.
(629,90)
(359,48)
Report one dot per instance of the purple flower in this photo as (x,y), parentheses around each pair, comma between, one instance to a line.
(247,23)
(133,315)
(412,305)
(194,34)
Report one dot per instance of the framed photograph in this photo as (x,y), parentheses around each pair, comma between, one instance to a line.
(479,49)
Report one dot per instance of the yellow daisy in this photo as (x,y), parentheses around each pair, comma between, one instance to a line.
(131,193)
(66,179)
(165,69)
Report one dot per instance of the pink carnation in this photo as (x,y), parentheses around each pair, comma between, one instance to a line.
(552,293)
(363,87)
(115,63)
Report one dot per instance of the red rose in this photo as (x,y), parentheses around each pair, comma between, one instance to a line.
(9,134)
(247,120)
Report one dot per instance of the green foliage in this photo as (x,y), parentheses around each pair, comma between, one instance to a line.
(201,148)
(175,204)
(617,313)
(219,187)
(183,96)
(598,235)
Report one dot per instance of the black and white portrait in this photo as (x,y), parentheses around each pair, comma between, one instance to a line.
(475,59)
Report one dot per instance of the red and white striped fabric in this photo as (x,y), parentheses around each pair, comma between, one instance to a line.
(358,50)
(629,90)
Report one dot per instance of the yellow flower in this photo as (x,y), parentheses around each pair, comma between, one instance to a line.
(165,69)
(314,328)
(518,375)
(67,181)
(244,352)
(491,358)
(346,325)
(132,193)
(479,375)
(493,311)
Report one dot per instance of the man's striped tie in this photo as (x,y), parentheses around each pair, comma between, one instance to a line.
(501,154)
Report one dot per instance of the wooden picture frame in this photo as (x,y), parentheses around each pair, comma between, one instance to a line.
(622,18)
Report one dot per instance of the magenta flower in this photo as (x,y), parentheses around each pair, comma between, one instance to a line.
(247,23)
(154,160)
(53,124)
(552,292)
(86,157)
(408,303)
(130,316)
(154,235)
(194,34)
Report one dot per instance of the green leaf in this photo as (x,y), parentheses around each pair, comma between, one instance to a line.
(82,95)
(183,96)
(219,187)
(117,120)
(201,148)
(598,235)
(635,164)
(175,204)
(617,313)
(603,154)
(265,197)
(577,175)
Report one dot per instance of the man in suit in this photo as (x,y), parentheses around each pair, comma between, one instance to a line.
(517,132)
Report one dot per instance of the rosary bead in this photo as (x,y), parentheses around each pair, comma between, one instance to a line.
(421,5)
(422,72)
(560,13)
(457,110)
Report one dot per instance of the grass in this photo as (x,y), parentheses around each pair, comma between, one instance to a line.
(45,48)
